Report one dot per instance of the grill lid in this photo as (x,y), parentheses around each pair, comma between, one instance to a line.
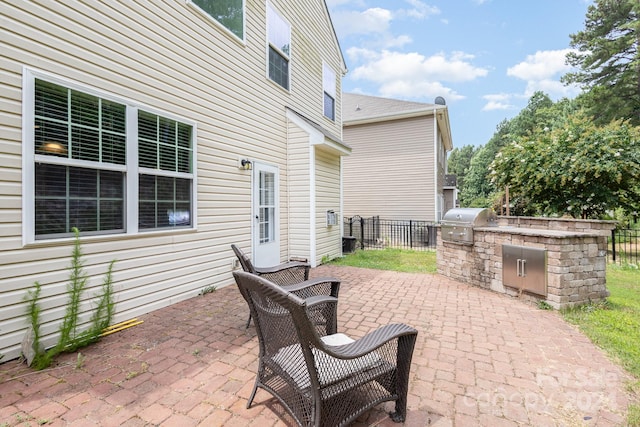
(475,217)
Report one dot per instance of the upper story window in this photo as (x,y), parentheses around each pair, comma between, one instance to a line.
(329,91)
(279,37)
(229,13)
(102,165)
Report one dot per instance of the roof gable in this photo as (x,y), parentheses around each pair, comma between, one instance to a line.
(362,107)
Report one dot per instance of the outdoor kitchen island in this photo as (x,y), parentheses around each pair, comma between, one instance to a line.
(561,261)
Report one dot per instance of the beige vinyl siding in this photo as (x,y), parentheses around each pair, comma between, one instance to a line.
(167,56)
(299,200)
(391,171)
(328,239)
(312,42)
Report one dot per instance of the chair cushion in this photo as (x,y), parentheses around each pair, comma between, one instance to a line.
(330,369)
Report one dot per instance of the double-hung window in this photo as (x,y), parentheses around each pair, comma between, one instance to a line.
(279,48)
(228,13)
(329,91)
(102,165)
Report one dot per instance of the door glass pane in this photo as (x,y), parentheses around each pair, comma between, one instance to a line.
(267,207)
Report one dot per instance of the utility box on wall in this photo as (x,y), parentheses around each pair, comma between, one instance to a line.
(525,269)
(332,218)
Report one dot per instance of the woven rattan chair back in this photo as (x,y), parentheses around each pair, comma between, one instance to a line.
(245,262)
(323,380)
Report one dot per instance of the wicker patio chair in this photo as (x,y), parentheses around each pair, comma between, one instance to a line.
(288,273)
(324,380)
(293,276)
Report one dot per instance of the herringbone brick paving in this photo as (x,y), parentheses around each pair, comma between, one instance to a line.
(481,359)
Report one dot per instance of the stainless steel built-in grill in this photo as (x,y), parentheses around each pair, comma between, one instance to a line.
(458,224)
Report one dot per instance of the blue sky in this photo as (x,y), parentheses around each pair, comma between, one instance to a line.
(485,57)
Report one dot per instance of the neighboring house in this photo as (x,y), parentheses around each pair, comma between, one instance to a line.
(450,191)
(397,169)
(165,131)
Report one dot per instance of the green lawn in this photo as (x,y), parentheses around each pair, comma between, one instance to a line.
(391,259)
(613,325)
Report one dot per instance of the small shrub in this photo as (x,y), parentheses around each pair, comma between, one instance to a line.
(543,305)
(207,290)
(70,339)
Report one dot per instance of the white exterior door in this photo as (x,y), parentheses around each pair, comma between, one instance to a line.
(266,226)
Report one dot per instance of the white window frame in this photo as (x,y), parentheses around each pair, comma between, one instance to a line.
(329,84)
(272,12)
(131,169)
(220,25)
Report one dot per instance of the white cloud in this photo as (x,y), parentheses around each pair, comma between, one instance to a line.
(371,21)
(498,101)
(554,88)
(390,65)
(541,65)
(542,72)
(389,42)
(413,75)
(420,10)
(418,90)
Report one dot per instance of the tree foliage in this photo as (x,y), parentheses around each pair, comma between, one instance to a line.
(578,169)
(459,162)
(478,189)
(608,58)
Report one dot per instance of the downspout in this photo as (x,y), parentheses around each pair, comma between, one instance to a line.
(341,218)
(436,165)
(312,205)
(287,121)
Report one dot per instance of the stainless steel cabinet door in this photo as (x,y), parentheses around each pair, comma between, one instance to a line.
(525,268)
(533,269)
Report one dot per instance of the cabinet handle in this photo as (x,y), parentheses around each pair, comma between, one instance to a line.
(523,268)
(518,267)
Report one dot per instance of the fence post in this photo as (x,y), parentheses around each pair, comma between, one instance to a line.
(362,233)
(411,234)
(613,243)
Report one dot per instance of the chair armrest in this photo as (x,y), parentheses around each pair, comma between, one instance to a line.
(322,311)
(370,342)
(285,274)
(316,286)
(280,267)
(320,300)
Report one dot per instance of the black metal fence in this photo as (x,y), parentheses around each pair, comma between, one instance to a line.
(376,233)
(624,246)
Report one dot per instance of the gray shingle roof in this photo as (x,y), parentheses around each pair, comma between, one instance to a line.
(362,107)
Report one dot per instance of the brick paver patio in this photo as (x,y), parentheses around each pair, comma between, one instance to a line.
(482,359)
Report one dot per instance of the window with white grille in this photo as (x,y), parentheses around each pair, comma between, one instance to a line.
(279,48)
(102,165)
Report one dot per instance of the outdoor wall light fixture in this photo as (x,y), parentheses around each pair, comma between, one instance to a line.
(245,164)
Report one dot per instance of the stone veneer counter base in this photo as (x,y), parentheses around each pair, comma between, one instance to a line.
(576,253)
